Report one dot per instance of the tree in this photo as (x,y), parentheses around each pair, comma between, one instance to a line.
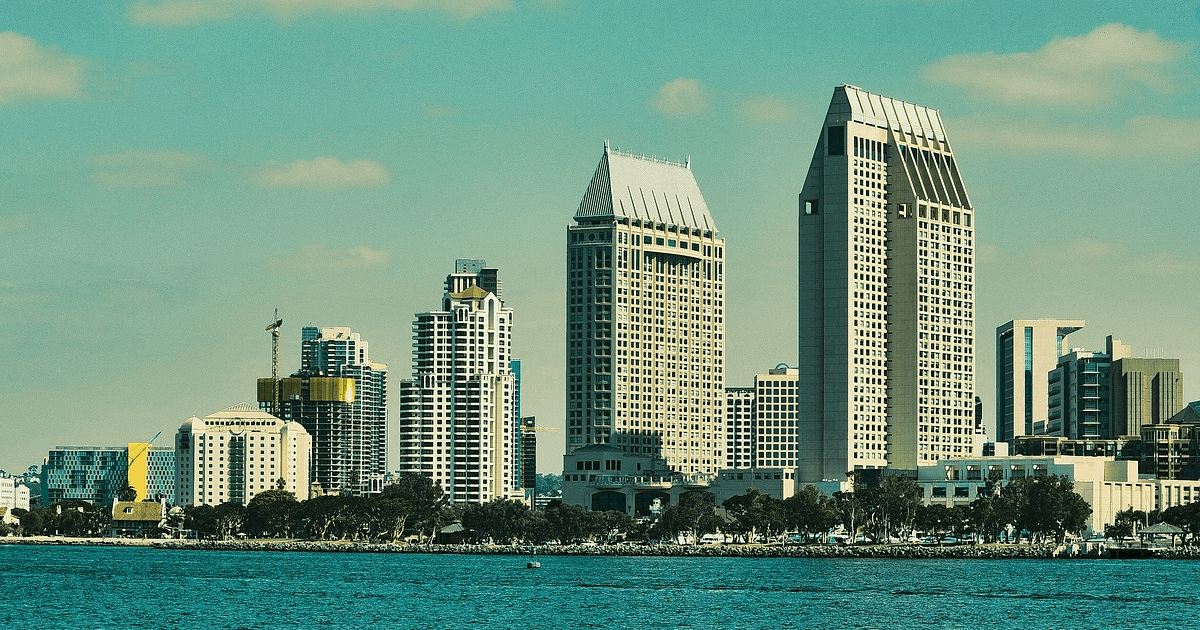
(754,512)
(1054,508)
(427,501)
(325,515)
(272,514)
(228,519)
(128,493)
(501,521)
(810,513)
(565,523)
(1185,517)
(694,514)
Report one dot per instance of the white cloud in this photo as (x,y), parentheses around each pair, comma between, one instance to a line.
(766,109)
(681,97)
(147,169)
(187,12)
(323,172)
(1093,257)
(1140,136)
(29,70)
(318,258)
(1086,70)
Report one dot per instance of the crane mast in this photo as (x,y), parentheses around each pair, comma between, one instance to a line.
(276,323)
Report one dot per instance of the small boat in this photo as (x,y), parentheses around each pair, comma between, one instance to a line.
(533,561)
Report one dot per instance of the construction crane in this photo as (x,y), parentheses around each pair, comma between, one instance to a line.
(276,323)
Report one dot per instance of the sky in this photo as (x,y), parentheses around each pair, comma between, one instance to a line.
(173,171)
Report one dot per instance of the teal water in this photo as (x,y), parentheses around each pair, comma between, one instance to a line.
(104,587)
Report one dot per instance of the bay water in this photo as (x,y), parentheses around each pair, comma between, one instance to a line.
(80,588)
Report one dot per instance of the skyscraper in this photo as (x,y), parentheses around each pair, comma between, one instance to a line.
(886,292)
(458,417)
(645,315)
(340,397)
(1026,351)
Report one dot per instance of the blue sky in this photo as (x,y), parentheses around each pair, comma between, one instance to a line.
(171,172)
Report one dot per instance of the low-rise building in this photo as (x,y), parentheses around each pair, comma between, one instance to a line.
(600,477)
(1108,485)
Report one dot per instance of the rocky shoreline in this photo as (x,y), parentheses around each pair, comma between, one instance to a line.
(912,552)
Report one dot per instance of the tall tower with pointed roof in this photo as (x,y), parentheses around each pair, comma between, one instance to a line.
(646,315)
(458,415)
(886,292)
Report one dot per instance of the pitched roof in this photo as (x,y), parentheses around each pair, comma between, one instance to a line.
(651,189)
(473,292)
(140,511)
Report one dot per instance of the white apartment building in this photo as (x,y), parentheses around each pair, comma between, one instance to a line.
(886,292)
(236,453)
(458,416)
(646,316)
(13,494)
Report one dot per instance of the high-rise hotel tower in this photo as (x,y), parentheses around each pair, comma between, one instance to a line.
(646,315)
(886,291)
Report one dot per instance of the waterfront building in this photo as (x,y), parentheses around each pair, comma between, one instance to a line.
(739,427)
(458,417)
(237,453)
(1108,485)
(1026,351)
(13,494)
(886,292)
(1172,450)
(645,335)
(96,474)
(602,477)
(340,397)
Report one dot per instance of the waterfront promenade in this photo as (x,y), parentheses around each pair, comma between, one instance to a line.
(899,551)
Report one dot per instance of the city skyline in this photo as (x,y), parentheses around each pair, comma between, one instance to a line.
(166,157)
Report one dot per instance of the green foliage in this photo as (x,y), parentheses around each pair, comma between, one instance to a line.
(810,513)
(1047,507)
(755,512)
(128,493)
(694,515)
(272,514)
(1185,517)
(548,483)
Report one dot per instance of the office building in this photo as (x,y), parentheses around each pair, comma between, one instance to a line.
(645,316)
(739,427)
(1026,351)
(458,417)
(237,453)
(1080,396)
(1145,391)
(886,292)
(775,417)
(340,397)
(97,474)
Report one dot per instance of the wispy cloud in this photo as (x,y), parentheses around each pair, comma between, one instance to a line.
(318,258)
(767,109)
(1086,70)
(1089,256)
(147,169)
(1140,136)
(681,97)
(29,70)
(323,172)
(188,12)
